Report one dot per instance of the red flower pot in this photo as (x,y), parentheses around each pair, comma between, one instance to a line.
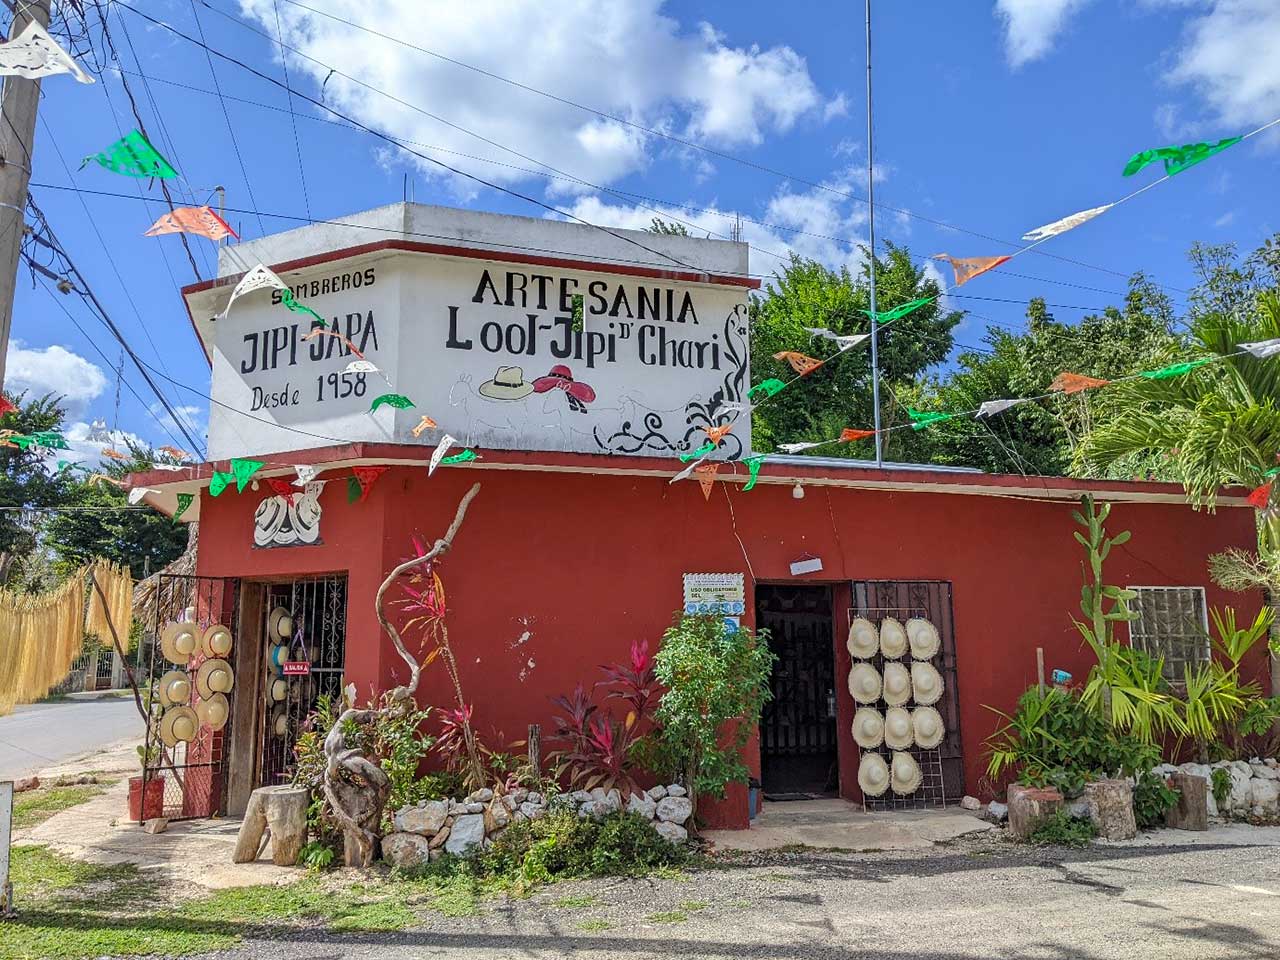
(148,805)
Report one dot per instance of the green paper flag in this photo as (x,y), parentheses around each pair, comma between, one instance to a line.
(51,439)
(353,490)
(242,470)
(286,297)
(1177,159)
(219,482)
(1177,370)
(466,456)
(22,441)
(767,387)
(753,467)
(133,156)
(900,311)
(392,400)
(702,451)
(184,500)
(924,419)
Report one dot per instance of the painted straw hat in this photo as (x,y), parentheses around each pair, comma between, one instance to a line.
(926,683)
(928,727)
(216,641)
(864,639)
(923,637)
(893,639)
(175,688)
(873,775)
(178,725)
(279,721)
(897,728)
(868,728)
(507,384)
(178,641)
(897,684)
(279,624)
(864,683)
(278,655)
(214,676)
(214,711)
(904,774)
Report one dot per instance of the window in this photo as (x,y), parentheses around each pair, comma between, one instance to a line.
(1172,623)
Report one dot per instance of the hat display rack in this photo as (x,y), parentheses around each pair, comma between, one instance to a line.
(901,646)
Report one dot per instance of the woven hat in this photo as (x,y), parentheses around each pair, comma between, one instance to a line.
(279,721)
(178,725)
(175,688)
(216,641)
(214,676)
(279,624)
(893,639)
(928,727)
(868,728)
(178,641)
(897,684)
(923,637)
(864,683)
(926,683)
(214,711)
(277,689)
(897,728)
(864,639)
(279,654)
(873,775)
(904,774)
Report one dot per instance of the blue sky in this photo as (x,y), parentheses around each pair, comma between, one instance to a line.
(993,117)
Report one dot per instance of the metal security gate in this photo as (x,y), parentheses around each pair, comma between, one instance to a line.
(943,766)
(300,667)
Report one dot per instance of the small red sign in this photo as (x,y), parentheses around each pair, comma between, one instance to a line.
(296,668)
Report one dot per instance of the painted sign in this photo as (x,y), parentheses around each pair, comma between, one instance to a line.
(288,520)
(296,668)
(721,593)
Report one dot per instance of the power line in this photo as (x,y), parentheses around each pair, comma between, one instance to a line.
(293,116)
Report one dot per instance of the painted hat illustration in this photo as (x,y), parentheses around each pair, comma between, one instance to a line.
(507,384)
(897,684)
(216,641)
(864,639)
(214,711)
(178,725)
(864,683)
(897,728)
(279,623)
(873,775)
(926,683)
(560,377)
(214,676)
(927,724)
(923,637)
(175,688)
(868,728)
(905,777)
(893,639)
(178,641)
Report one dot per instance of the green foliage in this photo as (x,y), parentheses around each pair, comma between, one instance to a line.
(1063,830)
(1151,798)
(1220,784)
(24,482)
(667,228)
(316,855)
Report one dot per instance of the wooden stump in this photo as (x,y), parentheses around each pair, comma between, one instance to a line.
(1029,807)
(1111,808)
(283,812)
(1191,812)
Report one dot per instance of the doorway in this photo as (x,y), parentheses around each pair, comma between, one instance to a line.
(798,754)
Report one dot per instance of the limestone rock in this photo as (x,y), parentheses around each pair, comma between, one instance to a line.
(1263,772)
(510,802)
(594,809)
(1029,807)
(1191,812)
(406,850)
(997,812)
(1265,798)
(496,816)
(23,784)
(1111,808)
(1241,798)
(532,797)
(970,803)
(674,809)
(467,834)
(156,825)
(672,832)
(519,795)
(1079,808)
(426,818)
(657,793)
(675,790)
(438,840)
(483,795)
(642,805)
(580,796)
(1167,769)
(532,810)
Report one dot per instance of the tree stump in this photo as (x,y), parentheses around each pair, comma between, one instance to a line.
(1192,809)
(283,812)
(1029,807)
(1111,808)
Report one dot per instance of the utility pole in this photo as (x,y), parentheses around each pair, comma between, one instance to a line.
(17,140)
(871,241)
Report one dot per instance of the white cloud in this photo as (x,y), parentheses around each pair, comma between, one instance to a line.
(54,370)
(624,57)
(1032,26)
(838,106)
(1226,219)
(193,418)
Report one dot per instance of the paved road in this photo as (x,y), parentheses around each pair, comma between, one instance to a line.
(975,900)
(39,735)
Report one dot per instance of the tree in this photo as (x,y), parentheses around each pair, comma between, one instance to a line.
(27,484)
(667,228)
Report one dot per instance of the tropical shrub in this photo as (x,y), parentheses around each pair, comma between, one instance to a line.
(1063,830)
(1220,784)
(1151,798)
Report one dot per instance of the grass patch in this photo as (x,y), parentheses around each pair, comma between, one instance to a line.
(1063,830)
(669,916)
(34,807)
(574,902)
(693,906)
(670,873)
(593,926)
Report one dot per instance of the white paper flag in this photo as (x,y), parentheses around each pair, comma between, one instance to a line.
(33,53)
(441,450)
(256,279)
(361,366)
(990,408)
(171,467)
(1262,349)
(797,447)
(136,495)
(844,343)
(687,472)
(1066,223)
(305,474)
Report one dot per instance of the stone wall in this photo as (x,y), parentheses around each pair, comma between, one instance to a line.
(1255,787)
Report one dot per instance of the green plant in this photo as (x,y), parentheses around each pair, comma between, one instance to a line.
(316,855)
(1151,798)
(1063,830)
(1220,784)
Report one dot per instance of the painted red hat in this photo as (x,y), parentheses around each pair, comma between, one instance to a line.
(560,377)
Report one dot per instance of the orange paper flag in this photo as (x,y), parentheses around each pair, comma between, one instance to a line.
(426,423)
(1075,383)
(848,434)
(322,332)
(174,452)
(201,221)
(967,268)
(114,454)
(799,362)
(706,474)
(716,434)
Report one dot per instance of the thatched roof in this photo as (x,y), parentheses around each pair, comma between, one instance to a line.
(146,591)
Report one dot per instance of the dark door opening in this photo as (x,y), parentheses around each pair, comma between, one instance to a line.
(798,757)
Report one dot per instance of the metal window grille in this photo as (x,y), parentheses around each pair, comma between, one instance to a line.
(1172,623)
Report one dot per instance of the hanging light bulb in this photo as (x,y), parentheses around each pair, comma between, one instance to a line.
(797,491)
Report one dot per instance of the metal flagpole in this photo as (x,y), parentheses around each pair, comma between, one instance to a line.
(871,242)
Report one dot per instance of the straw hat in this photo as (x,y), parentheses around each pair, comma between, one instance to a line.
(178,641)
(279,654)
(214,711)
(864,639)
(927,724)
(923,637)
(216,641)
(897,728)
(926,683)
(179,724)
(864,683)
(893,639)
(175,688)
(214,676)
(279,722)
(905,775)
(279,624)
(897,684)
(868,728)
(277,689)
(873,775)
